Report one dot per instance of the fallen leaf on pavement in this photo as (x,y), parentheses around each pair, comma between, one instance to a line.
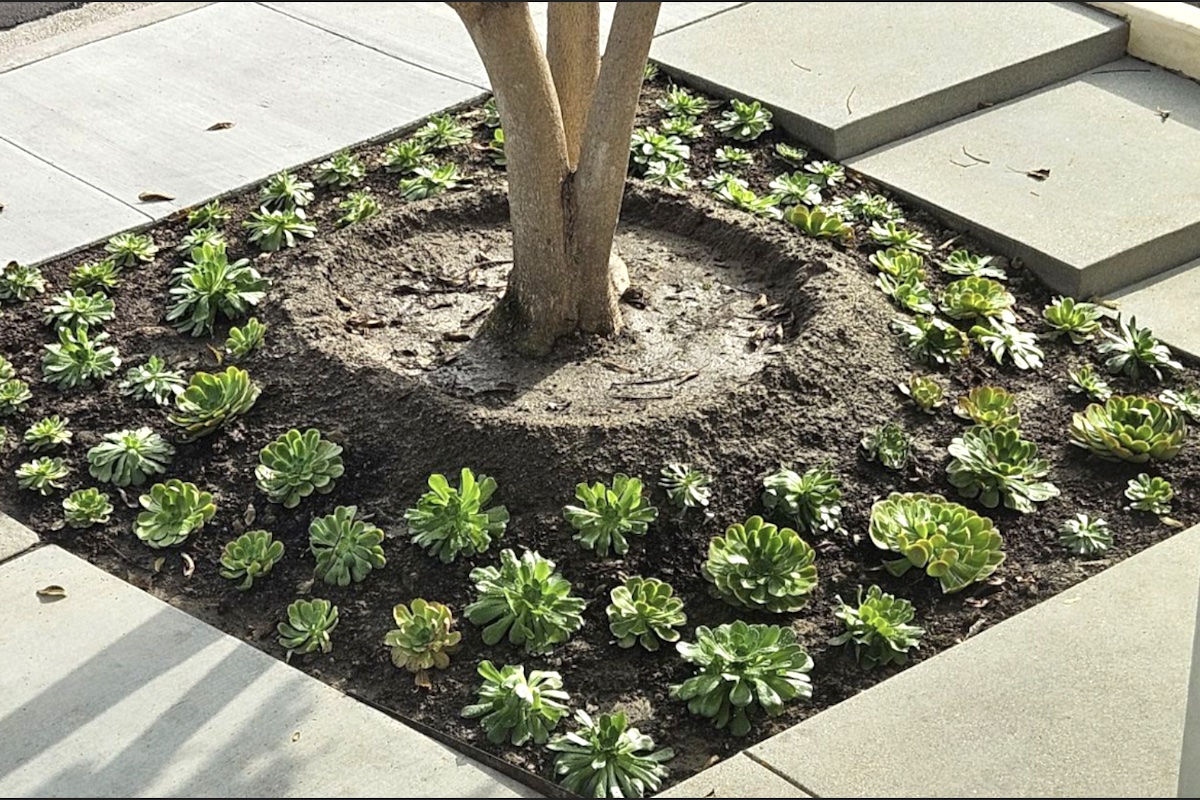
(155,197)
(52,591)
(220,126)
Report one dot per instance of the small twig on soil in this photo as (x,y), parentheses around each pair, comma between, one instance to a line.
(946,244)
(493,262)
(667,396)
(974,157)
(688,377)
(650,381)
(850,110)
(124,557)
(975,627)
(799,66)
(615,367)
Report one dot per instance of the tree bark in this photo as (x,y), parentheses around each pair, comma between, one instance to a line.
(573,51)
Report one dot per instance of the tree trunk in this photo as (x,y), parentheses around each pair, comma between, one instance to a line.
(564,208)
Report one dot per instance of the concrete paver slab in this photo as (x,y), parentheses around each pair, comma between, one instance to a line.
(740,776)
(430,34)
(112,693)
(293,91)
(847,77)
(1081,696)
(1122,199)
(14,537)
(1169,305)
(47,212)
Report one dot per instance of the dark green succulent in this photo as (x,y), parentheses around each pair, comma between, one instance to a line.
(308,627)
(211,401)
(128,457)
(84,508)
(527,600)
(79,358)
(679,102)
(996,464)
(878,628)
(761,567)
(932,340)
(405,156)
(517,708)
(1152,495)
(424,638)
(42,475)
(242,341)
(1130,428)
(607,516)
(1133,350)
(357,207)
(890,234)
(76,308)
(48,433)
(346,548)
(867,206)
(154,380)
(902,265)
(645,611)
(733,158)
(429,182)
(978,298)
(297,464)
(946,540)
(341,170)
(607,758)
(686,487)
(683,127)
(788,154)
(811,500)
(442,132)
(671,174)
(100,276)
(989,406)
(20,283)
(491,114)
(281,228)
(1185,401)
(968,264)
(827,173)
(908,294)
(173,511)
(209,215)
(448,521)
(888,444)
(740,668)
(744,122)
(925,392)
(284,191)
(1085,535)
(131,249)
(209,285)
(1085,381)
(1079,321)
(252,555)
(200,237)
(817,223)
(496,148)
(647,145)
(1002,340)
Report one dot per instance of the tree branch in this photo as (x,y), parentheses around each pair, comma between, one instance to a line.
(573,50)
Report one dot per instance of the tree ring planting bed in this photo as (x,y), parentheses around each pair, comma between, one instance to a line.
(748,346)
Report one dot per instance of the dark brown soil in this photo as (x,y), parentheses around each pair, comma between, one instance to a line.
(748,346)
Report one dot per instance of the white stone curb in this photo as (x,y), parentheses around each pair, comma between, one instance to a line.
(1167,34)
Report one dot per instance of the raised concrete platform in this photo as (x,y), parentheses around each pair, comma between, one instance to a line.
(1081,696)
(14,537)
(1169,305)
(1122,199)
(847,77)
(109,692)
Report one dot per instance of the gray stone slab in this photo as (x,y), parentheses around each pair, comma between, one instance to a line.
(113,693)
(1189,760)
(1169,305)
(847,77)
(14,537)
(47,212)
(430,34)
(129,114)
(740,776)
(1081,696)
(1122,201)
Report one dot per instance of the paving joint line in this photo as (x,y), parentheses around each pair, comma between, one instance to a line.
(701,19)
(38,545)
(750,754)
(354,41)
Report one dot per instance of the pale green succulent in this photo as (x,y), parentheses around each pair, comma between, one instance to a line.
(715,181)
(341,170)
(978,298)
(607,758)
(996,464)
(1002,340)
(968,264)
(84,508)
(7,370)
(442,132)
(890,234)
(686,487)
(1186,401)
(199,237)
(741,668)
(744,122)
(607,516)
(828,173)
(95,276)
(946,540)
(429,182)
(788,154)
(1085,381)
(78,358)
(346,548)
(284,191)
(173,511)
(42,475)
(735,193)
(925,392)
(811,500)
(212,401)
(671,174)
(761,567)
(903,265)
(14,394)
(357,207)
(496,148)
(20,283)
(297,464)
(242,341)
(527,600)
(272,230)
(424,638)
(878,628)
(1148,494)
(405,156)
(1130,428)
(679,102)
(683,127)
(209,215)
(131,249)
(491,114)
(734,158)
(1079,321)
(1132,350)
(250,556)
(308,627)
(76,308)
(818,223)
(932,340)
(1085,535)
(645,611)
(647,145)
(796,188)
(48,433)
(519,709)
(448,521)
(209,285)
(907,294)
(888,444)
(989,406)
(867,206)
(154,380)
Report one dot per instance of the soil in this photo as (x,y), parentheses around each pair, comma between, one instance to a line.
(747,346)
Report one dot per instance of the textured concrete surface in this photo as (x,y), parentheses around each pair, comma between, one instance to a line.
(1081,696)
(847,77)
(16,13)
(1167,34)
(1189,761)
(1122,199)
(129,114)
(14,537)
(47,212)
(431,34)
(740,776)
(1169,305)
(109,692)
